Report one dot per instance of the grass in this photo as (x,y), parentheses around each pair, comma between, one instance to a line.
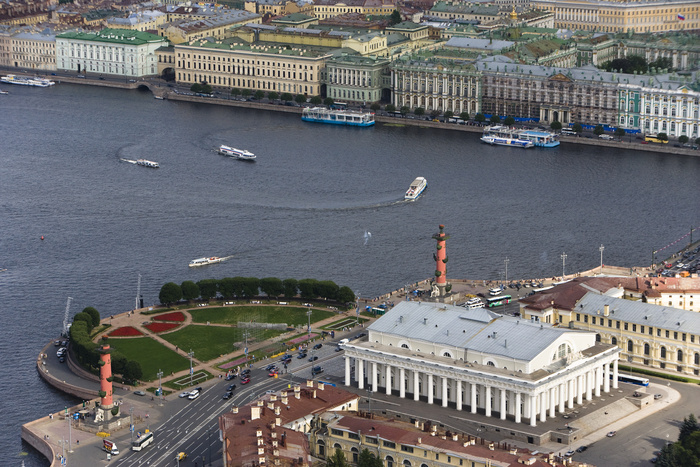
(151,355)
(659,374)
(209,342)
(292,316)
(199,376)
(344,322)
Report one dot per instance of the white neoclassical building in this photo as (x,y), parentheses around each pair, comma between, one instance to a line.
(477,360)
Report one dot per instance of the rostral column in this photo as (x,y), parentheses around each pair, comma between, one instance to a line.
(441,261)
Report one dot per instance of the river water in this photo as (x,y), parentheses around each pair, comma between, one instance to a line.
(302,210)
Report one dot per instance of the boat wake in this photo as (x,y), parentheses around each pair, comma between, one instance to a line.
(127,160)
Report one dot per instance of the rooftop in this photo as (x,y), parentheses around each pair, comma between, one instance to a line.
(119,36)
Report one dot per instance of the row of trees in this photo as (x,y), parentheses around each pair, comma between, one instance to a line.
(86,351)
(686,451)
(249,287)
(364,459)
(636,64)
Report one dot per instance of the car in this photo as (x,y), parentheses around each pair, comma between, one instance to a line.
(193,395)
(287,361)
(61,359)
(57,343)
(657,397)
(81,76)
(653,460)
(317,369)
(608,137)
(582,448)
(228,394)
(271,367)
(245,381)
(313,358)
(230,376)
(569,453)
(231,387)
(611,434)
(637,394)
(184,394)
(139,393)
(338,349)
(198,388)
(301,355)
(181,456)
(318,346)
(101,77)
(245,373)
(272,374)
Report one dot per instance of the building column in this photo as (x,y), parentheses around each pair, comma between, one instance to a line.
(388,379)
(444,391)
(533,411)
(503,404)
(615,384)
(552,402)
(472,395)
(430,388)
(374,376)
(570,392)
(562,397)
(402,383)
(416,385)
(579,389)
(487,401)
(517,407)
(543,406)
(347,370)
(606,377)
(596,384)
(360,373)
(458,394)
(589,385)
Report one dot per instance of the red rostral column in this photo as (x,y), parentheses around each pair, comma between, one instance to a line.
(441,260)
(106,376)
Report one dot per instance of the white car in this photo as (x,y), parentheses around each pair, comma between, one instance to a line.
(184,394)
(605,137)
(193,395)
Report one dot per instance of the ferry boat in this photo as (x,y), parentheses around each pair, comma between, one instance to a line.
(147,163)
(541,139)
(3,92)
(241,154)
(473,303)
(26,81)
(205,261)
(504,136)
(337,117)
(416,188)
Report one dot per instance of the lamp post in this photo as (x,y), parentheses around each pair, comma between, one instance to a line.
(191,354)
(601,257)
(160,386)
(563,265)
(357,299)
(369,400)
(506,263)
(308,326)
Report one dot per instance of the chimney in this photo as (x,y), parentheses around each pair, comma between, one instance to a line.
(273,397)
(278,421)
(234,409)
(314,394)
(285,400)
(606,310)
(320,386)
(309,383)
(455,437)
(297,392)
(254,413)
(261,403)
(277,410)
(491,447)
(270,405)
(420,440)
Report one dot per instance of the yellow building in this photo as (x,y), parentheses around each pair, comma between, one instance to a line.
(623,16)
(28,49)
(278,7)
(266,67)
(324,9)
(142,21)
(218,27)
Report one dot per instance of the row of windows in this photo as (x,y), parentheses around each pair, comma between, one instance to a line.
(633,326)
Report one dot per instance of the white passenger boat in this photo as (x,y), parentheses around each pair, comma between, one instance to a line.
(495,291)
(337,117)
(541,139)
(147,163)
(3,92)
(500,135)
(27,81)
(417,187)
(473,303)
(241,154)
(205,261)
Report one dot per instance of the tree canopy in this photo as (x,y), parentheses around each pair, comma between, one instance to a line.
(555,125)
(94,314)
(395,18)
(170,293)
(686,451)
(190,290)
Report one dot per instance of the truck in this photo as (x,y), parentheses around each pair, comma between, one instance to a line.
(110,447)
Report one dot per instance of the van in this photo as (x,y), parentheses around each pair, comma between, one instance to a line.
(343,341)
(110,447)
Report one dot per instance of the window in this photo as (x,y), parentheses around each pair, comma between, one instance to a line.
(675,335)
(355,455)
(369,440)
(646,349)
(353,436)
(337,432)
(406,449)
(613,341)
(617,325)
(630,346)
(663,352)
(625,326)
(680,355)
(389,461)
(389,444)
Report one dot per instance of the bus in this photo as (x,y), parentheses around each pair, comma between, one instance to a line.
(632,379)
(497,301)
(339,106)
(568,132)
(142,441)
(654,139)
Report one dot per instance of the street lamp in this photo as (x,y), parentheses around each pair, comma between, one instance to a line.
(601,257)
(191,354)
(563,265)
(506,262)
(369,400)
(357,294)
(308,327)
(160,385)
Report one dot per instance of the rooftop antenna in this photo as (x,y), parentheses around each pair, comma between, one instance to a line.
(66,325)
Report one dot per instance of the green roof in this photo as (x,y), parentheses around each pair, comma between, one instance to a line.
(261,47)
(118,36)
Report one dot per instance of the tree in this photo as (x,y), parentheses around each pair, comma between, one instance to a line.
(246,92)
(94,314)
(132,371)
(578,128)
(375,106)
(170,293)
(697,141)
(390,108)
(404,110)
(419,111)
(481,118)
(286,97)
(271,286)
(326,289)
(328,101)
(196,87)
(662,136)
(435,113)
(689,426)
(495,119)
(82,316)
(683,139)
(307,288)
(346,295)
(620,132)
(251,287)
(235,92)
(464,116)
(662,63)
(300,99)
(368,459)
(555,125)
(259,94)
(395,18)
(448,114)
(598,130)
(316,100)
(273,96)
(337,459)
(206,89)
(190,290)
(208,288)
(291,288)
(509,121)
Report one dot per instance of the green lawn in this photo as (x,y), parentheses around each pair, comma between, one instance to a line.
(209,342)
(151,355)
(293,316)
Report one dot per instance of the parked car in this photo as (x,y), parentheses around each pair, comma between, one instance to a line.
(313,358)
(608,137)
(139,393)
(582,448)
(657,397)
(316,370)
(569,453)
(184,394)
(611,434)
(193,395)
(318,346)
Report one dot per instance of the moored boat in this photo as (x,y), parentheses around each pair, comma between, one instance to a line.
(541,139)
(417,187)
(337,117)
(500,135)
(147,163)
(26,81)
(205,261)
(241,154)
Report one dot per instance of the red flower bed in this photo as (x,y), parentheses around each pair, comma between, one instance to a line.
(174,316)
(125,331)
(161,327)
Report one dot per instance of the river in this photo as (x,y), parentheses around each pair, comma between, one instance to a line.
(302,210)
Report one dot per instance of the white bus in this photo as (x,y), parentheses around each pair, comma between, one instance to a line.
(568,132)
(142,441)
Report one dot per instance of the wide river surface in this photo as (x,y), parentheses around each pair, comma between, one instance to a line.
(302,210)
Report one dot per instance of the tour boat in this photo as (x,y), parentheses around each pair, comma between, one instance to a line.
(147,163)
(241,154)
(26,81)
(416,188)
(337,117)
(503,136)
(3,92)
(542,139)
(204,261)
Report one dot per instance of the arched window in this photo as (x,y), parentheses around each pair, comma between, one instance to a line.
(447,354)
(389,461)
(490,363)
(680,355)
(407,463)
(355,455)
(646,349)
(613,341)
(697,358)
(663,352)
(597,337)
(404,346)
(321,448)
(337,446)
(630,346)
